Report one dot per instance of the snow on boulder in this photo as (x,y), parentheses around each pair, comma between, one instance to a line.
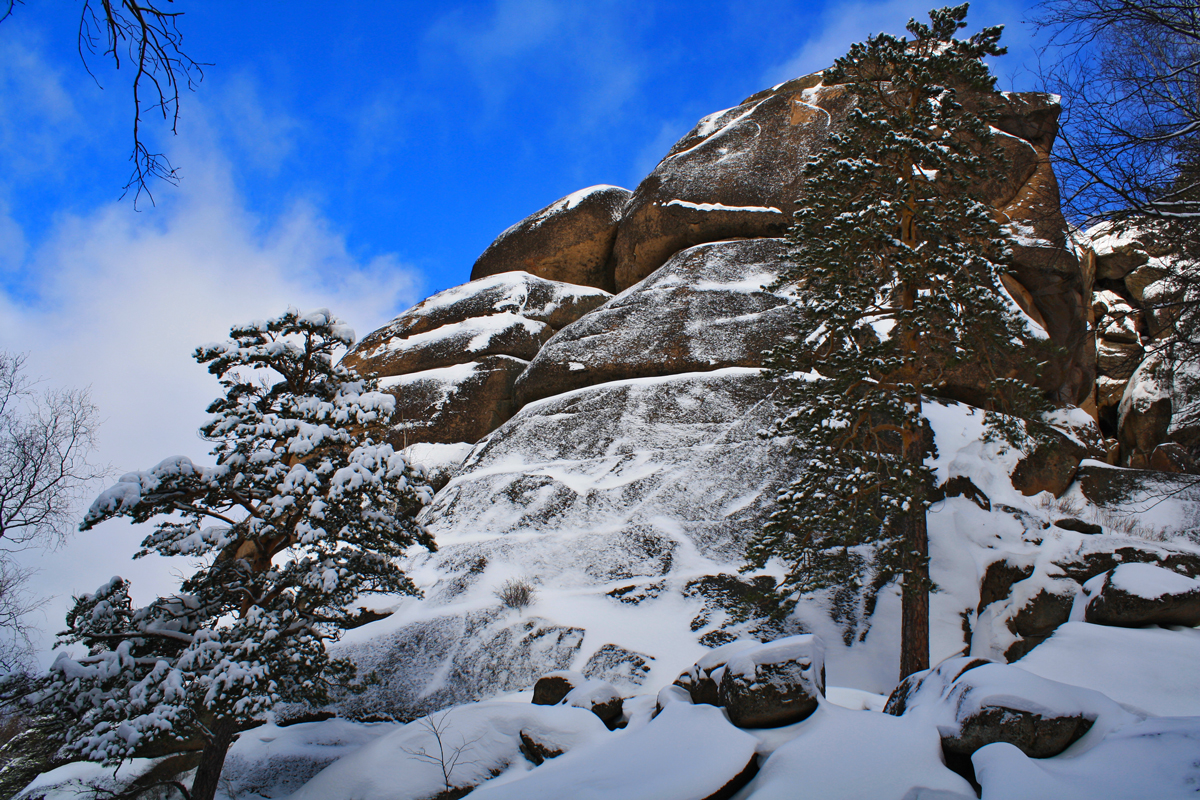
(1153,758)
(739,173)
(1145,412)
(705,309)
(451,360)
(448,405)
(551,689)
(569,240)
(839,754)
(973,703)
(774,684)
(1134,595)
(1152,670)
(457,748)
(503,333)
(685,753)
(701,679)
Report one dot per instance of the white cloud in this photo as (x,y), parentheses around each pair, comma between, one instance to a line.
(119,301)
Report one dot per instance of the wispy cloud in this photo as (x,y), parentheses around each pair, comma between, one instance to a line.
(119,300)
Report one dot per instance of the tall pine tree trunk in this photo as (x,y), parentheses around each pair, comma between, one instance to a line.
(914,613)
(212,759)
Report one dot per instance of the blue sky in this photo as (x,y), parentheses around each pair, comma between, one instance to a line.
(352,155)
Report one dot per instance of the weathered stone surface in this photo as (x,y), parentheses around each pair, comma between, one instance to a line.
(738,174)
(705,309)
(1034,734)
(599,697)
(1135,595)
(774,684)
(1118,252)
(535,749)
(1137,281)
(462,403)
(1145,413)
(431,664)
(1171,457)
(1049,468)
(1118,359)
(511,314)
(569,240)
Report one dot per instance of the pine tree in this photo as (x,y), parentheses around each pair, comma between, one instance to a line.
(302,513)
(897,264)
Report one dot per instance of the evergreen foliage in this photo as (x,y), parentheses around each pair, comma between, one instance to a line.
(898,266)
(302,514)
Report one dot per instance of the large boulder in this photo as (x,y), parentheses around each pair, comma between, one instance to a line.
(739,173)
(1134,595)
(1145,413)
(569,240)
(774,684)
(460,403)
(704,309)
(702,679)
(975,703)
(452,360)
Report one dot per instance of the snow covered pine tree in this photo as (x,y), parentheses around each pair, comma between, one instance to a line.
(897,266)
(301,515)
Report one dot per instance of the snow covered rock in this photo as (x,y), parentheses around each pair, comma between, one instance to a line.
(773,684)
(685,753)
(974,703)
(702,678)
(738,173)
(452,360)
(551,689)
(1133,595)
(460,403)
(475,742)
(704,309)
(569,240)
(1145,413)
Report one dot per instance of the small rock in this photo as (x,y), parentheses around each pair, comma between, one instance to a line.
(537,751)
(774,684)
(551,689)
(1134,595)
(599,697)
(1078,525)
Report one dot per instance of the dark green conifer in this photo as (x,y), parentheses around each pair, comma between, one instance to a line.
(897,263)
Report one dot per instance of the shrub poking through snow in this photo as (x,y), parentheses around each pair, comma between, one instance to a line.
(302,514)
(517,593)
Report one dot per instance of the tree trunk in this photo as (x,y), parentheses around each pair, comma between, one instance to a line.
(212,760)
(914,611)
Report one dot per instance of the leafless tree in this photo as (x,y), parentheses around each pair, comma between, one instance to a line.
(448,757)
(140,34)
(1128,72)
(46,439)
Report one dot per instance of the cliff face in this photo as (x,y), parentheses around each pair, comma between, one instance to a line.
(610,451)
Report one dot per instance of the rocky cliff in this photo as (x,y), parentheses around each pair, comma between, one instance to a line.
(606,452)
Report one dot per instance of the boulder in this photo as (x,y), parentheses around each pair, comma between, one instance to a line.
(704,309)
(1049,468)
(550,690)
(599,697)
(1134,595)
(1145,413)
(974,702)
(702,678)
(1140,278)
(738,173)
(1118,359)
(461,403)
(451,360)
(774,684)
(511,314)
(1042,611)
(569,240)
(1118,251)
